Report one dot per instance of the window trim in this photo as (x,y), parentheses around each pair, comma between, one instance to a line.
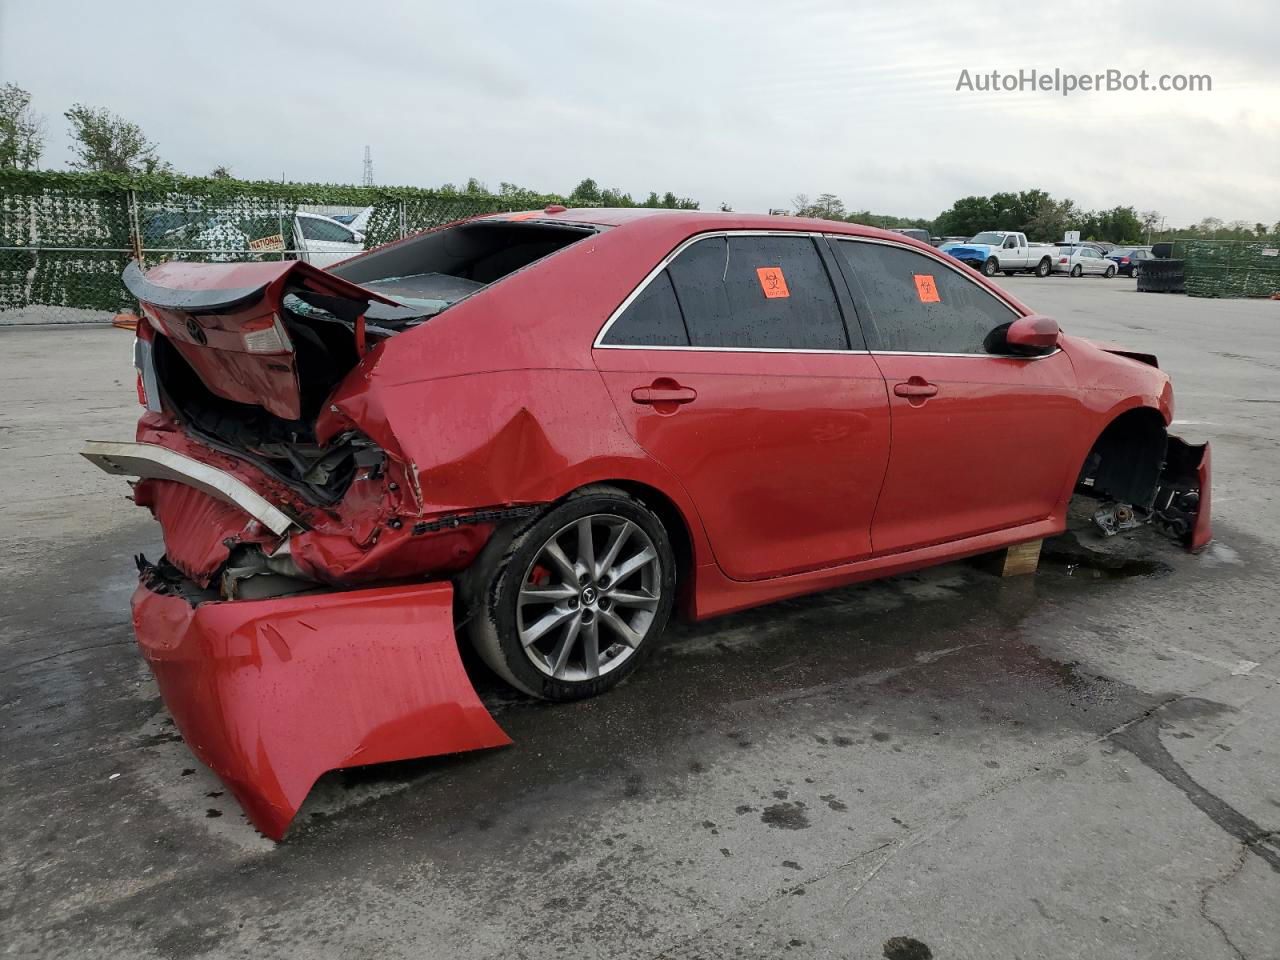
(816,236)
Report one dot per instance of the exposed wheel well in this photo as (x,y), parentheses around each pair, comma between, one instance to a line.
(1125,461)
(674,522)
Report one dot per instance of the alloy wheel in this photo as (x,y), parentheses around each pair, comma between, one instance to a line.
(588,599)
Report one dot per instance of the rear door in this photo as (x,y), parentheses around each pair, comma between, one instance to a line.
(980,441)
(731,365)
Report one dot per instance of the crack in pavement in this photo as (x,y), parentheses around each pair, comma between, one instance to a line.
(1142,739)
(747,909)
(67,653)
(1241,857)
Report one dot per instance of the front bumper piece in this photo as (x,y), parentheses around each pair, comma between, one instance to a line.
(272,693)
(1183,498)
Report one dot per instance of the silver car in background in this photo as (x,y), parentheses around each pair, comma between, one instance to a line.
(1078,259)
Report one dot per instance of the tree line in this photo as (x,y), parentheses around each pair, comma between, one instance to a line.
(108,143)
(1040,217)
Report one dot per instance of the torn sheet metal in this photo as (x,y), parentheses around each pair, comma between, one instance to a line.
(1183,499)
(268,694)
(199,531)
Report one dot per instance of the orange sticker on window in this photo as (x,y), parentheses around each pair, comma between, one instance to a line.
(772,282)
(926,289)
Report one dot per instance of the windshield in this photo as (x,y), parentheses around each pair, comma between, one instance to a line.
(994,239)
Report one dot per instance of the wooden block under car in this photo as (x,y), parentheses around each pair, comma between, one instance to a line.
(1014,561)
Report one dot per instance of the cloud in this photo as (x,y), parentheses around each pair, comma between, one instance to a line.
(745,102)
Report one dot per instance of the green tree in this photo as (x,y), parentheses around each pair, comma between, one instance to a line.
(220,172)
(614,197)
(967,216)
(671,202)
(1050,220)
(1119,225)
(106,143)
(21,130)
(827,206)
(585,194)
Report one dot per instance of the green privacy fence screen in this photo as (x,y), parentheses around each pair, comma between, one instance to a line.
(65,238)
(1230,268)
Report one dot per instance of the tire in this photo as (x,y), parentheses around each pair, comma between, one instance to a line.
(514,623)
(1077,271)
(1111,272)
(1043,268)
(990,268)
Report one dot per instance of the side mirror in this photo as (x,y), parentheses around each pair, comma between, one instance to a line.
(1036,332)
(357,237)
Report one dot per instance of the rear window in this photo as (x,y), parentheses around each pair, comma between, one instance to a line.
(432,271)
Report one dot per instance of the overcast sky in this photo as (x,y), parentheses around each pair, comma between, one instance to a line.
(748,103)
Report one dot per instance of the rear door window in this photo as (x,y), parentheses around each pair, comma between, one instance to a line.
(911,303)
(651,320)
(770,292)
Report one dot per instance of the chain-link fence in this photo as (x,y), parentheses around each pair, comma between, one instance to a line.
(65,238)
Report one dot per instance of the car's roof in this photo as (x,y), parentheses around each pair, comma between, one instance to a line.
(697,221)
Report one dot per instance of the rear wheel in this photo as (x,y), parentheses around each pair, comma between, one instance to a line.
(1077,271)
(1043,268)
(991,267)
(1111,272)
(580,597)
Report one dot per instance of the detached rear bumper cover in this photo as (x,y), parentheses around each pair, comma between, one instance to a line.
(272,693)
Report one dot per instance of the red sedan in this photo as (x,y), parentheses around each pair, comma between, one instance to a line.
(561,427)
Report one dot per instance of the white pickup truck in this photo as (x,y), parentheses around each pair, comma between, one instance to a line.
(994,250)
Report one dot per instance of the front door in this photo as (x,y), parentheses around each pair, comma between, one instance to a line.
(980,441)
(1014,255)
(732,367)
(324,242)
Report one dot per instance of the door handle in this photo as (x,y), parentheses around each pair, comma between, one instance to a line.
(916,388)
(664,394)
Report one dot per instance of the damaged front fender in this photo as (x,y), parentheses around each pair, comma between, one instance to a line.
(270,694)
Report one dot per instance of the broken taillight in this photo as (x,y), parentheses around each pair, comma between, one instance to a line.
(144,364)
(266,339)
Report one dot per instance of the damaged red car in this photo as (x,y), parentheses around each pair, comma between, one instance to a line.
(555,430)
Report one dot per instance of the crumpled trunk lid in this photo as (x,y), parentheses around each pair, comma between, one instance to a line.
(227,321)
